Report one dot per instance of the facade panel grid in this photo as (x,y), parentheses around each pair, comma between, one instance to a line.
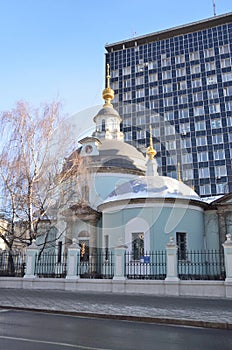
(181,81)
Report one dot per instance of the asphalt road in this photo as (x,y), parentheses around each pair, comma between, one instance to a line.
(24,330)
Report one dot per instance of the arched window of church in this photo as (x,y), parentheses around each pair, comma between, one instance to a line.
(103,125)
(138,245)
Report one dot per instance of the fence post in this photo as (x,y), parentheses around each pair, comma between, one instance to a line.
(31,255)
(171,251)
(228,257)
(119,256)
(73,260)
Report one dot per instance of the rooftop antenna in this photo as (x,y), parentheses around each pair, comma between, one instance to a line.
(214,8)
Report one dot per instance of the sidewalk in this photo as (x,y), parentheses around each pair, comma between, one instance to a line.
(214,313)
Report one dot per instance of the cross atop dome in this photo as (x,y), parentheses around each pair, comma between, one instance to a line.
(108,93)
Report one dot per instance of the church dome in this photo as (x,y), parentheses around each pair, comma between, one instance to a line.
(153,187)
(117,154)
(107,111)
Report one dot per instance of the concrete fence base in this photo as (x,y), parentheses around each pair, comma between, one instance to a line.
(213,289)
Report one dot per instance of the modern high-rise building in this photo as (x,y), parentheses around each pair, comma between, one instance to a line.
(179,81)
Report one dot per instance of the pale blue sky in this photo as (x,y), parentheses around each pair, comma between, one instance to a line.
(55,48)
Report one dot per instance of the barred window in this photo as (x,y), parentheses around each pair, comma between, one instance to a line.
(137,245)
(106,239)
(181,241)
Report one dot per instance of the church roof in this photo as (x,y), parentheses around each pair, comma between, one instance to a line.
(114,153)
(107,112)
(153,187)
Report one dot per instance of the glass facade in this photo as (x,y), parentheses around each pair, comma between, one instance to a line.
(179,81)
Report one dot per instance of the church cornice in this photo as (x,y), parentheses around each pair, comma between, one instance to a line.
(84,212)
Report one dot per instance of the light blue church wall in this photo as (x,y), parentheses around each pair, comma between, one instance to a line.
(157,222)
(211,229)
(102,184)
(229,223)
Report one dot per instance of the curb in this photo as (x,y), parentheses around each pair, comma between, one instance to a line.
(144,319)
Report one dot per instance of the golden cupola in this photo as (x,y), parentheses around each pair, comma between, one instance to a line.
(151,163)
(151,152)
(107,119)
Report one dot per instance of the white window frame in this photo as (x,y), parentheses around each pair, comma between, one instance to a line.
(201,141)
(202,157)
(183,113)
(196,83)
(210,66)
(214,108)
(205,189)
(217,139)
(219,154)
(199,110)
(196,68)
(212,93)
(204,173)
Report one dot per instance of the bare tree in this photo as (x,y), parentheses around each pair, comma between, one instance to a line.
(33,182)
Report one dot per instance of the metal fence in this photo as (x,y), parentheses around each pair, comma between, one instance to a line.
(152,265)
(98,265)
(49,264)
(202,265)
(12,264)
